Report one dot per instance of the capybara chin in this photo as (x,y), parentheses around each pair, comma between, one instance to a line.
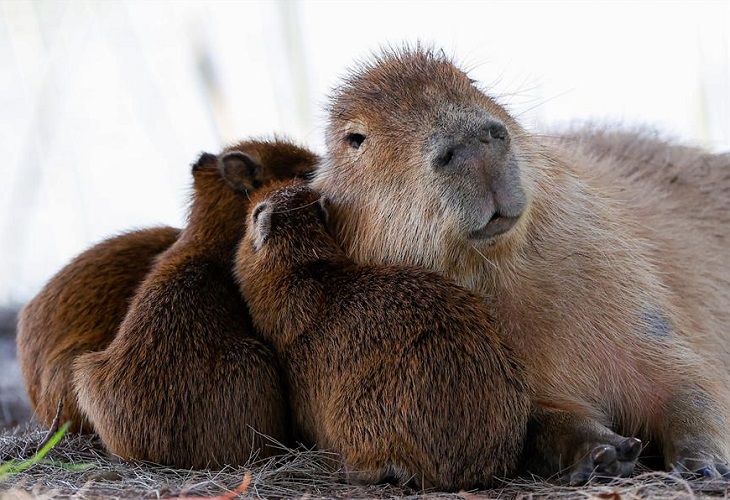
(613,284)
(395,368)
(185,382)
(80,309)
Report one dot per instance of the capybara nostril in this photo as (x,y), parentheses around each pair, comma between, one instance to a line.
(445,157)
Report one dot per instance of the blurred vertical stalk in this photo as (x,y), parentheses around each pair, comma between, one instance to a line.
(291,33)
(210,83)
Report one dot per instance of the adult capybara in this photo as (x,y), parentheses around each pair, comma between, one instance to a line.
(397,369)
(612,281)
(80,309)
(185,382)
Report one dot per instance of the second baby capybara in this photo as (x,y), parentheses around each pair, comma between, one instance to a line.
(185,382)
(80,309)
(612,283)
(395,368)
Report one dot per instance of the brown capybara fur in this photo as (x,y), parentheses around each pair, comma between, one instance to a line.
(395,368)
(609,275)
(78,311)
(185,382)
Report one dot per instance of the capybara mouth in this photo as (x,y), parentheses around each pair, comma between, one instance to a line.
(497,225)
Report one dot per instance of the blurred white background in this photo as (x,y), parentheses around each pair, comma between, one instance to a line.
(104,104)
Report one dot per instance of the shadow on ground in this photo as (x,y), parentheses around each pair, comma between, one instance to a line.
(14,407)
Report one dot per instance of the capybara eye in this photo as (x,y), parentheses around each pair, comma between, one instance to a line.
(445,158)
(498,131)
(306,176)
(355,140)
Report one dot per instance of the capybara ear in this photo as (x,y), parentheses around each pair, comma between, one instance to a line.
(203,160)
(261,224)
(240,171)
(323,210)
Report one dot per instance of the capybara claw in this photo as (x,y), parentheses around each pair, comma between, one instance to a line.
(629,449)
(603,455)
(723,470)
(606,462)
(579,478)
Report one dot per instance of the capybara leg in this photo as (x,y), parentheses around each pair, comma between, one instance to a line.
(696,438)
(577,448)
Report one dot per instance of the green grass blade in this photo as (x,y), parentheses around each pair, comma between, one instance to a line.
(16,466)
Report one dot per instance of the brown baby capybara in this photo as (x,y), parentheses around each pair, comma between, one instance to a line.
(80,309)
(185,382)
(395,368)
(612,283)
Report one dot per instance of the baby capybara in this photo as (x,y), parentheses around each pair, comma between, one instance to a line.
(185,382)
(80,309)
(395,368)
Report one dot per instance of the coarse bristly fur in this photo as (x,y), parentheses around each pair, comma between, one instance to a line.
(396,368)
(185,382)
(611,281)
(80,309)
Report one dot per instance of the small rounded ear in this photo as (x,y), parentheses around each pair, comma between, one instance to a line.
(240,171)
(204,159)
(261,224)
(323,210)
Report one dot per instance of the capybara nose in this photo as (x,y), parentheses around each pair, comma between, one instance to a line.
(489,142)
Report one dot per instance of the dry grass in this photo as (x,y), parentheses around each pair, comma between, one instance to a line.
(78,468)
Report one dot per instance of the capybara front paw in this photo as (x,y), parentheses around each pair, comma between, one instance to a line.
(700,467)
(606,461)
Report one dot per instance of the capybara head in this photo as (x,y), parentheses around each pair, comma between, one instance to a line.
(274,160)
(286,219)
(417,153)
(249,165)
(222,184)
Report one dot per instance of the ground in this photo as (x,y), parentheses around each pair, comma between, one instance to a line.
(77,467)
